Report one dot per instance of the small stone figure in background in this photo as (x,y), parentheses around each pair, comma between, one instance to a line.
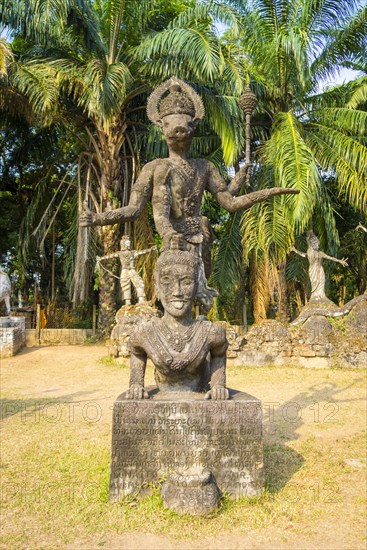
(5,290)
(177,344)
(128,274)
(316,271)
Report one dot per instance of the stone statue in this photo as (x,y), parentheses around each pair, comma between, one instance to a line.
(128,274)
(315,270)
(177,344)
(176,184)
(5,290)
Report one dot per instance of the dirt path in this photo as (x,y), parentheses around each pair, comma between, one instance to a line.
(56,428)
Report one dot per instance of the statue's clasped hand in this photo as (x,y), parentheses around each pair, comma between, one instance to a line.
(137,392)
(86,217)
(218,393)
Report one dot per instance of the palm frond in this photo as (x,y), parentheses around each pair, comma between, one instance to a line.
(227,262)
(293,164)
(344,156)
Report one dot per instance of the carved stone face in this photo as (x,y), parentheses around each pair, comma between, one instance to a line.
(125,244)
(313,241)
(178,128)
(176,288)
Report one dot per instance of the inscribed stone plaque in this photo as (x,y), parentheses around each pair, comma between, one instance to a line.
(166,433)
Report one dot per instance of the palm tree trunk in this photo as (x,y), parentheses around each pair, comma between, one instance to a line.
(259,287)
(282,314)
(109,235)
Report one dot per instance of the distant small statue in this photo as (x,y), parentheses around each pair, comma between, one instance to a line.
(316,271)
(5,291)
(177,344)
(128,274)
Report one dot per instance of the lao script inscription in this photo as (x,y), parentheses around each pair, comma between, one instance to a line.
(155,437)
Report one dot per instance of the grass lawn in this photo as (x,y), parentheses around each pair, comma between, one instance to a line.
(55,452)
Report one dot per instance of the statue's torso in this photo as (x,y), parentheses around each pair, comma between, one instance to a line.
(127,260)
(180,187)
(180,362)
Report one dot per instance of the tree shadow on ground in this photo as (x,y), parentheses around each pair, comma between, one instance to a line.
(281,425)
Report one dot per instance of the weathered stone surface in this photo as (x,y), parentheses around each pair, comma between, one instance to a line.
(175,432)
(357,319)
(316,330)
(12,335)
(128,318)
(193,492)
(268,331)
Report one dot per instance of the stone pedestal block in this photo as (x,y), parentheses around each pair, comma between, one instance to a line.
(166,434)
(12,335)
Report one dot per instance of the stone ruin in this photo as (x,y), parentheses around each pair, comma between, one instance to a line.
(12,335)
(12,329)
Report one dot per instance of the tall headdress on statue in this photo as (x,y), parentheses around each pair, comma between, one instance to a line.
(174,97)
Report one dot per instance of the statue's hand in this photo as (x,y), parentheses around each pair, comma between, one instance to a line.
(137,392)
(344,262)
(217,393)
(86,217)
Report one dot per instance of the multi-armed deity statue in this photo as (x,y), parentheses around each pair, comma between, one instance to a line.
(176,185)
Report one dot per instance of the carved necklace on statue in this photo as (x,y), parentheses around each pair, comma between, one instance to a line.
(177,339)
(169,342)
(185,169)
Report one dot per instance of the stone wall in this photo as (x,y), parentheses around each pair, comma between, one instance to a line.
(318,342)
(56,336)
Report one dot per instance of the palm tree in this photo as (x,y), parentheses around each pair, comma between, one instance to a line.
(299,133)
(95,62)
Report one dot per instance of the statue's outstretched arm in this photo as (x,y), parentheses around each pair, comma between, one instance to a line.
(294,249)
(244,202)
(140,193)
(108,256)
(145,251)
(343,261)
(218,188)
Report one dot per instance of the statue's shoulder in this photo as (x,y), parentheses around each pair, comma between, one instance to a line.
(139,335)
(215,331)
(201,164)
(157,163)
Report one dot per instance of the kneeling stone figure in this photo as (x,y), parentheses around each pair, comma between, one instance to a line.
(178,345)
